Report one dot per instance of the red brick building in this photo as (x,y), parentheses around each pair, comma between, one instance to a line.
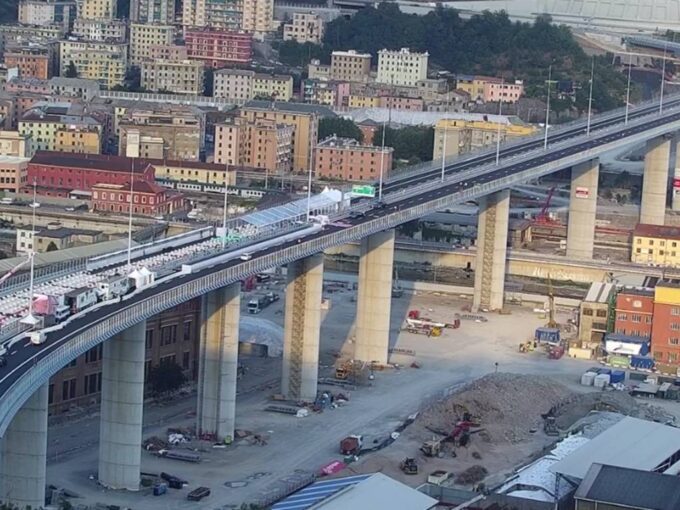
(149,199)
(634,312)
(348,160)
(59,173)
(219,47)
(666,328)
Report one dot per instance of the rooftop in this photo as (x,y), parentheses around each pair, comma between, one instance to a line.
(599,292)
(350,53)
(653,444)
(336,142)
(321,111)
(661,231)
(138,187)
(406,118)
(630,488)
(89,161)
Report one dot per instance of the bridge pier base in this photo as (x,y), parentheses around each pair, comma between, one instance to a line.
(218,362)
(492,246)
(374,298)
(655,181)
(302,328)
(24,453)
(582,210)
(122,404)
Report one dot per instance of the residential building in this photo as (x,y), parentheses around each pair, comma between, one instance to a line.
(304,119)
(634,312)
(318,71)
(481,87)
(361,101)
(13,143)
(182,129)
(235,84)
(258,17)
(348,160)
(98,9)
(73,88)
(328,92)
(61,127)
(222,14)
(32,60)
(138,145)
(596,315)
(105,62)
(277,87)
(350,66)
(666,324)
(148,198)
(24,34)
(193,172)
(54,237)
(180,77)
(305,27)
(145,37)
(218,47)
(172,335)
(48,12)
(505,92)
(261,143)
(101,30)
(13,172)
(168,52)
(407,104)
(58,173)
(152,11)
(467,132)
(657,245)
(402,67)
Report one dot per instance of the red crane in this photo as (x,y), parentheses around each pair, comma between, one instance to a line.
(543,218)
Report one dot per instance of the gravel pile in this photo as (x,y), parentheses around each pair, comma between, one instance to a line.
(507,406)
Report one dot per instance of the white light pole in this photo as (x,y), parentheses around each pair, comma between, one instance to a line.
(132,198)
(382,162)
(630,65)
(663,75)
(547,108)
(31,254)
(590,95)
(224,212)
(309,184)
(444,153)
(498,135)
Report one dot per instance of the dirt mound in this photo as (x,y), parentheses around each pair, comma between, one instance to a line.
(507,406)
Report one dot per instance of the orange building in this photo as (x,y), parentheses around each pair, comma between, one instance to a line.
(32,62)
(346,159)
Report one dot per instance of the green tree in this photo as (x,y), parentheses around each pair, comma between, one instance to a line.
(295,54)
(345,128)
(412,143)
(166,376)
(71,71)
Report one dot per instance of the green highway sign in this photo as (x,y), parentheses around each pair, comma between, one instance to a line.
(363,190)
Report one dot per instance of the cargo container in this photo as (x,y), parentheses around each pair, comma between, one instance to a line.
(79,299)
(642,363)
(604,370)
(601,381)
(617,376)
(547,335)
(588,378)
(618,361)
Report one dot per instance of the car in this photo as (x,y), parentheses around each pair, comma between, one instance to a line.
(381,205)
(246,256)
(3,361)
(354,215)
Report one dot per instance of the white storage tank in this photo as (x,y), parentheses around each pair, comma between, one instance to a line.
(602,381)
(588,378)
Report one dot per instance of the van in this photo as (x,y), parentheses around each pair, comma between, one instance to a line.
(246,256)
(6,201)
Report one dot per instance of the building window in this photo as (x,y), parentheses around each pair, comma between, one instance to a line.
(658,356)
(94,354)
(602,313)
(68,389)
(675,310)
(149,338)
(185,360)
(186,335)
(169,334)
(672,357)
(588,311)
(675,326)
(674,341)
(622,316)
(636,318)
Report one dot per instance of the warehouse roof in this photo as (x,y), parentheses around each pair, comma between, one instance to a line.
(631,443)
(660,231)
(599,292)
(321,111)
(89,161)
(631,488)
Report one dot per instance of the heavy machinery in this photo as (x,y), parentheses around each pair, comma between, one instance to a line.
(409,466)
(351,445)
(422,327)
(549,426)
(432,448)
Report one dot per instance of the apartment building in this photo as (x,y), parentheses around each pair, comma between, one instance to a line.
(181,129)
(634,312)
(180,77)
(362,101)
(350,66)
(222,14)
(303,118)
(152,11)
(402,103)
(328,92)
(103,30)
(244,85)
(260,144)
(55,127)
(305,27)
(480,87)
(144,38)
(48,12)
(101,61)
(402,67)
(24,34)
(466,132)
(98,9)
(258,17)
(218,48)
(31,60)
(193,172)
(318,71)
(73,87)
(13,143)
(147,198)
(505,92)
(168,52)
(348,160)
(13,173)
(658,245)
(666,324)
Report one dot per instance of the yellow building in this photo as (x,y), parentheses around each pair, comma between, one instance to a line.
(98,9)
(275,86)
(84,139)
(193,171)
(180,77)
(105,62)
(257,17)
(50,130)
(145,37)
(473,131)
(474,85)
(358,101)
(656,245)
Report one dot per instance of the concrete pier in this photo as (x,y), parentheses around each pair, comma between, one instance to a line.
(218,362)
(302,328)
(655,181)
(374,297)
(24,453)
(492,246)
(582,210)
(120,433)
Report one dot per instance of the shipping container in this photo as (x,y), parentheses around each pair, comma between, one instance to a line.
(601,381)
(604,370)
(617,376)
(588,378)
(642,362)
(547,335)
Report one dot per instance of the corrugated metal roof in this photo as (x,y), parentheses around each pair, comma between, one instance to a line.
(599,292)
(316,492)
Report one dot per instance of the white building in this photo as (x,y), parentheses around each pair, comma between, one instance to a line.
(305,27)
(402,67)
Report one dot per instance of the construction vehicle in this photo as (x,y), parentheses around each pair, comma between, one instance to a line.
(432,447)
(415,318)
(550,426)
(527,346)
(543,217)
(261,301)
(351,445)
(423,327)
(409,466)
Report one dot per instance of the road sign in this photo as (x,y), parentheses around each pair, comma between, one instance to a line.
(363,190)
(582,192)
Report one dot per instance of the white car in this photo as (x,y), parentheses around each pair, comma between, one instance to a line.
(246,256)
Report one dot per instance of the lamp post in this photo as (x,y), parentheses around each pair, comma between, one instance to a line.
(630,65)
(132,193)
(547,108)
(444,153)
(663,76)
(224,210)
(590,95)
(382,162)
(498,134)
(309,183)
(31,255)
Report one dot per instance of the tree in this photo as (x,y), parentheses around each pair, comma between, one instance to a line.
(166,376)
(412,143)
(345,128)
(71,71)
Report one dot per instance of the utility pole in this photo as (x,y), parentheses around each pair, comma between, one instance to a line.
(630,65)
(590,95)
(498,135)
(547,109)
(132,192)
(663,76)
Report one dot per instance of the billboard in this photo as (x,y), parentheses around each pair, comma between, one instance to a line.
(363,190)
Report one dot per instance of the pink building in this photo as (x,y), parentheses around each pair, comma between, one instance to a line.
(218,48)
(500,91)
(408,104)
